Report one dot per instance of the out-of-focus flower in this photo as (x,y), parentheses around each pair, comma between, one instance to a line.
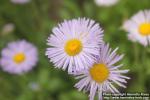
(19,57)
(102,75)
(106,2)
(20,1)
(139,27)
(74,44)
(8,28)
(34,86)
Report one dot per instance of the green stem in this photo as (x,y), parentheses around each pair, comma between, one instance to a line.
(141,70)
(136,54)
(138,59)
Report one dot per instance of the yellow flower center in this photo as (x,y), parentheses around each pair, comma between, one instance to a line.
(73,47)
(99,72)
(19,58)
(144,29)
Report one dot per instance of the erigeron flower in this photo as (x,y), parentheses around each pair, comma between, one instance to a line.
(34,86)
(8,28)
(74,44)
(20,1)
(106,2)
(18,57)
(138,27)
(101,76)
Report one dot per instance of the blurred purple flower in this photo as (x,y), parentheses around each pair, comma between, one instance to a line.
(19,57)
(34,86)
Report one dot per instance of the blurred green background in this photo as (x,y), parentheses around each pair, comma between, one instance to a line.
(34,21)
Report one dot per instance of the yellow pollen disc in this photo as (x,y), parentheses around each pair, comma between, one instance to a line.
(73,47)
(144,29)
(99,72)
(19,58)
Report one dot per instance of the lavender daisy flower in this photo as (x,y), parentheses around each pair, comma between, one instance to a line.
(18,57)
(101,76)
(20,1)
(74,43)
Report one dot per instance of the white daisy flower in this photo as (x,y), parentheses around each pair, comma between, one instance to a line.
(106,2)
(74,43)
(18,57)
(102,75)
(8,28)
(139,27)
(20,1)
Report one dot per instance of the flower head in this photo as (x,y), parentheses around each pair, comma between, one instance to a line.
(20,1)
(106,2)
(102,74)
(139,27)
(74,44)
(18,57)
(8,28)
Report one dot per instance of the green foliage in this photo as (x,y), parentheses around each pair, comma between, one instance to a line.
(33,22)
